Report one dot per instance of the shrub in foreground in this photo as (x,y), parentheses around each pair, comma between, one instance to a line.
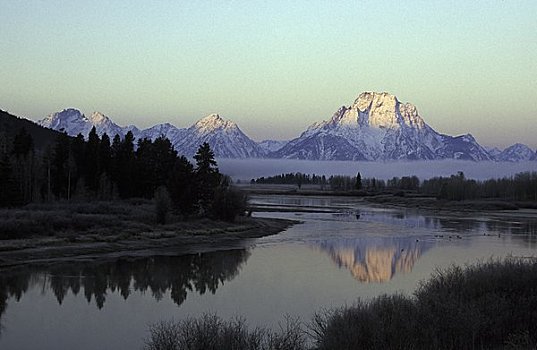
(210,332)
(485,306)
(491,305)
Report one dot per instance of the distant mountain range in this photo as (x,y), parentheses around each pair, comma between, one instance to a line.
(376,127)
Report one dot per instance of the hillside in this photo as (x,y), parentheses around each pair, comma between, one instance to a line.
(10,126)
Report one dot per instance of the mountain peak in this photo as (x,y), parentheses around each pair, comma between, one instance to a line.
(63,119)
(212,122)
(365,99)
(98,118)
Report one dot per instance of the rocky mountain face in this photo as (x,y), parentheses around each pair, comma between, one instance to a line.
(379,127)
(376,127)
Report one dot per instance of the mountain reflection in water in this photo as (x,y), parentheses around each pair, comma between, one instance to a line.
(374,259)
(177,274)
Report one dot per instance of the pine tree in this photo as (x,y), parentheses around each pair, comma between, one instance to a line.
(207,175)
(126,166)
(8,187)
(105,154)
(23,165)
(92,161)
(181,186)
(59,167)
(358,183)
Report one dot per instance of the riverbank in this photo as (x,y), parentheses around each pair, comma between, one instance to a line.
(398,199)
(62,232)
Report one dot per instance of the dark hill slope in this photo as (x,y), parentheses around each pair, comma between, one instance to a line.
(10,125)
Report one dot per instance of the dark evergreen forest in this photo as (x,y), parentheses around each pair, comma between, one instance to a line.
(101,168)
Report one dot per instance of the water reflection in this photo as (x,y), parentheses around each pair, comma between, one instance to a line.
(374,259)
(179,275)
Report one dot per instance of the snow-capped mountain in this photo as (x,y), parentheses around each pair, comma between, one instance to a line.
(224,136)
(272,145)
(376,127)
(379,127)
(73,122)
(166,130)
(494,152)
(515,153)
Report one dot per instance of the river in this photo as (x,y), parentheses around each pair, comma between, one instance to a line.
(342,250)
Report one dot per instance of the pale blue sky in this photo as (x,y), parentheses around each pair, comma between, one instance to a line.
(274,67)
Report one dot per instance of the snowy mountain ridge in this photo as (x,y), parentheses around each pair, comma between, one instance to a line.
(375,127)
(224,136)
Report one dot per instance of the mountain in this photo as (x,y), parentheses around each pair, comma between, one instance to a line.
(167,130)
(379,127)
(494,152)
(10,125)
(224,136)
(515,153)
(272,145)
(376,127)
(73,122)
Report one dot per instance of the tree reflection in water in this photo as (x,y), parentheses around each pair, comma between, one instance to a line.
(179,274)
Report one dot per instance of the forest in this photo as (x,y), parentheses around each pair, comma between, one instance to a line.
(520,187)
(100,168)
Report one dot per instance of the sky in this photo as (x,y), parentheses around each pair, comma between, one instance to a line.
(274,67)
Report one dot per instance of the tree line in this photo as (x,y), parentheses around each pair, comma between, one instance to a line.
(105,169)
(522,186)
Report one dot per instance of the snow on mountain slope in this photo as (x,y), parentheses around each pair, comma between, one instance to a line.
(73,122)
(272,145)
(70,120)
(166,130)
(224,136)
(376,127)
(515,153)
(379,127)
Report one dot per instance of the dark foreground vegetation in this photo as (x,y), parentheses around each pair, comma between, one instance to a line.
(210,332)
(490,305)
(75,171)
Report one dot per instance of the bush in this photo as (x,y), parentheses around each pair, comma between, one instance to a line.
(162,204)
(488,305)
(386,322)
(480,306)
(228,203)
(210,332)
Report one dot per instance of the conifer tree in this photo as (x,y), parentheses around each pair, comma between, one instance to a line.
(182,186)
(207,175)
(59,169)
(358,184)
(92,160)
(8,188)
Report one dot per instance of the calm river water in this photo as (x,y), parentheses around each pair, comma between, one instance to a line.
(342,250)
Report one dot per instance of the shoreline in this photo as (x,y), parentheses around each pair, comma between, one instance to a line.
(47,250)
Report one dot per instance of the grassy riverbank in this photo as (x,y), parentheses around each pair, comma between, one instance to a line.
(65,231)
(490,305)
